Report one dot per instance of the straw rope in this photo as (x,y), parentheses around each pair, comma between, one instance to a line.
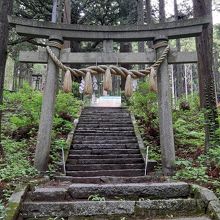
(115,70)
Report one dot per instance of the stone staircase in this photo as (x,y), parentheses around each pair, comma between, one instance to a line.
(140,201)
(105,178)
(105,145)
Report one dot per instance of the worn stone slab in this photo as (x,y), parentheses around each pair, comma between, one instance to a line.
(191,218)
(139,138)
(49,194)
(176,207)
(204,194)
(208,199)
(110,179)
(83,208)
(14,203)
(154,190)
(107,209)
(126,218)
(134,218)
(214,209)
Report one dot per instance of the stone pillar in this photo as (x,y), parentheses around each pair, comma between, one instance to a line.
(47,110)
(165,112)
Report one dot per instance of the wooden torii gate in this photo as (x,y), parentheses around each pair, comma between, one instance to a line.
(154,32)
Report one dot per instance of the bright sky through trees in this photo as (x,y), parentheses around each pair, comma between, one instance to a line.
(170,9)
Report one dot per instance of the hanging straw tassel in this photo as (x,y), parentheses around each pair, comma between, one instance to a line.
(67,82)
(153,80)
(107,82)
(128,86)
(88,90)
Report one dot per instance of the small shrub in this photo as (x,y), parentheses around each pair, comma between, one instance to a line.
(96,197)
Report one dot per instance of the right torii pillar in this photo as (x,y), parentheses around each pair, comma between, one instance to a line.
(165,111)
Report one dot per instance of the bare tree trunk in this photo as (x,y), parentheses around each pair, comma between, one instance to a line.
(216,72)
(148,12)
(204,45)
(140,21)
(66,20)
(149,18)
(178,68)
(15,77)
(162,15)
(5,10)
(57,11)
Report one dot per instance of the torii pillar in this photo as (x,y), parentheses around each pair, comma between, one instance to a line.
(165,111)
(48,106)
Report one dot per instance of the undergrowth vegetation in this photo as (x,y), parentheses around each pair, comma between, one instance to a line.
(193,164)
(20,124)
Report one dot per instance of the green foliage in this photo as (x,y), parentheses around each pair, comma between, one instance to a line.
(67,103)
(20,122)
(56,154)
(55,218)
(190,172)
(25,106)
(2,210)
(16,162)
(188,121)
(189,124)
(96,197)
(143,104)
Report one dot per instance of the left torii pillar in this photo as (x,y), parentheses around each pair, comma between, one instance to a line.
(48,106)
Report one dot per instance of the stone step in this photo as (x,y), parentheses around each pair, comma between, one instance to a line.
(134,191)
(108,156)
(108,141)
(104,116)
(109,129)
(106,161)
(127,191)
(106,119)
(122,172)
(115,110)
(83,167)
(104,151)
(111,179)
(105,108)
(70,167)
(104,137)
(104,133)
(201,217)
(109,114)
(103,146)
(108,209)
(106,123)
(104,126)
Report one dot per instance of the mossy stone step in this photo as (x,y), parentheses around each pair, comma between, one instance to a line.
(108,156)
(106,161)
(83,167)
(102,146)
(122,172)
(112,209)
(98,151)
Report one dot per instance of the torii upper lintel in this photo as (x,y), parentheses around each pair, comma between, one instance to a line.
(172,30)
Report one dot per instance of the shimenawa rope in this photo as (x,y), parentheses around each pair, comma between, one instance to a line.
(107,70)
